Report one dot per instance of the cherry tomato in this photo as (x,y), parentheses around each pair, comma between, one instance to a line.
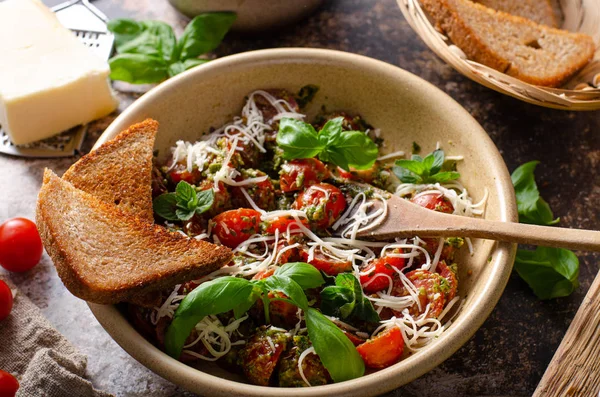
(180,173)
(262,193)
(261,353)
(323,204)
(236,226)
(325,263)
(371,282)
(8,384)
(430,290)
(20,245)
(448,274)
(434,201)
(222,200)
(267,109)
(282,314)
(366,176)
(297,174)
(6,300)
(356,340)
(282,223)
(383,350)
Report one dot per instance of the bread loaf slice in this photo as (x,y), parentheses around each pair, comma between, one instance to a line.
(539,11)
(104,255)
(120,171)
(513,45)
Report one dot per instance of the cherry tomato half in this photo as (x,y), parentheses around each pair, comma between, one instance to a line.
(324,263)
(371,282)
(282,223)
(20,245)
(383,350)
(6,301)
(434,201)
(298,174)
(430,292)
(236,226)
(8,384)
(323,204)
(180,173)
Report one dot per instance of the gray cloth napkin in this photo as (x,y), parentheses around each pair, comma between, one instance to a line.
(43,361)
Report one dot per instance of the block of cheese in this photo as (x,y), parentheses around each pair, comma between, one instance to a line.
(49,81)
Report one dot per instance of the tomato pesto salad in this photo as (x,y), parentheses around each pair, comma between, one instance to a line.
(304,301)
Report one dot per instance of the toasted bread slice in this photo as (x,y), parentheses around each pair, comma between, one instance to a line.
(120,171)
(513,45)
(104,255)
(539,11)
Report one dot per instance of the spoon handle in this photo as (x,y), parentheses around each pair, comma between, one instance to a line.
(548,236)
(575,367)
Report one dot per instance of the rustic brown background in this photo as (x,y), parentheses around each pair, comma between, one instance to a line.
(510,352)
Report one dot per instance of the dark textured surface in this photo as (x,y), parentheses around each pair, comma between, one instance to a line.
(510,352)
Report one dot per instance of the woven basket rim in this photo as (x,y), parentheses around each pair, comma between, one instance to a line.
(556,98)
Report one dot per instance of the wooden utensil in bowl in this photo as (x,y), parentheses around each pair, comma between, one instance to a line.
(405,219)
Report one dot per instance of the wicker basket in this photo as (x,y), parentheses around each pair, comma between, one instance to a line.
(582,92)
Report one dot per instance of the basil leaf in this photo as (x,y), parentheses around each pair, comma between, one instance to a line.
(298,140)
(186,196)
(414,166)
(205,200)
(193,62)
(437,161)
(330,131)
(446,176)
(176,68)
(405,175)
(124,30)
(531,206)
(244,306)
(335,350)
(144,43)
(204,33)
(286,285)
(358,150)
(550,272)
(424,170)
(334,298)
(346,299)
(306,95)
(184,214)
(165,206)
(137,68)
(306,275)
(212,297)
(165,38)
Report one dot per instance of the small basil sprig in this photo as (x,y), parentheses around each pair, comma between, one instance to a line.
(346,299)
(299,140)
(148,51)
(532,207)
(550,272)
(223,294)
(424,170)
(184,203)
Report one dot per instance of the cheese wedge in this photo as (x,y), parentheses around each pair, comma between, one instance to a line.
(49,81)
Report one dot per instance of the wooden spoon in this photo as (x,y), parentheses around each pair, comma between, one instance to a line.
(405,219)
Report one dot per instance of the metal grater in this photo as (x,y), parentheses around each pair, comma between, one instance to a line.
(89,25)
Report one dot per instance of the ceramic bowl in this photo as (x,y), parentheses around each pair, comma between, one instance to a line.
(252,15)
(406,109)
